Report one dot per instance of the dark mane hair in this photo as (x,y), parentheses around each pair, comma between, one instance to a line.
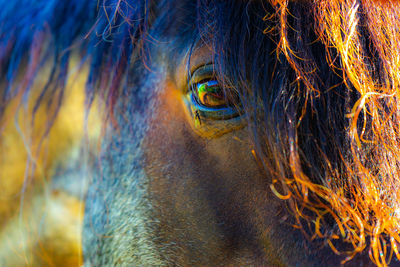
(318,81)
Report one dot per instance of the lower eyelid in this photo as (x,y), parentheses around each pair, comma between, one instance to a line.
(213,113)
(212,122)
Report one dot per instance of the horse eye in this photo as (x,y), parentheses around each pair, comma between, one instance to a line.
(211,95)
(213,107)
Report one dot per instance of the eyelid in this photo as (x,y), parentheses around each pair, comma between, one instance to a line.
(202,73)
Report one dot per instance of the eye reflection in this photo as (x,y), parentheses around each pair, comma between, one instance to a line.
(210,94)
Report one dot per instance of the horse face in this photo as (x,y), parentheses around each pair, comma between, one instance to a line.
(179,185)
(179,181)
(181,188)
(194,194)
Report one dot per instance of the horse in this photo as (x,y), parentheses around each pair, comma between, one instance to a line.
(208,133)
